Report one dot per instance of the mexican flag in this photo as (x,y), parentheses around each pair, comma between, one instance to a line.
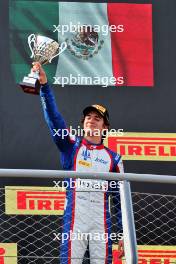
(104,40)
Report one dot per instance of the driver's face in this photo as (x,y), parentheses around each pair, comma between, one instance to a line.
(93,123)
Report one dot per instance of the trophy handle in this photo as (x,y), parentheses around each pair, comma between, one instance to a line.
(62,47)
(31,39)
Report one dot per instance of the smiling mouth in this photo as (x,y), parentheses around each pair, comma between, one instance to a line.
(91,126)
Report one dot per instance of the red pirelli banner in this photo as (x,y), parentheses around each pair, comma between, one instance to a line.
(34,200)
(150,255)
(8,253)
(144,146)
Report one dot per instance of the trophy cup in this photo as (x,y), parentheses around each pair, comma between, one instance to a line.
(43,50)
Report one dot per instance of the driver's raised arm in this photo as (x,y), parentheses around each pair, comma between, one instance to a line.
(52,116)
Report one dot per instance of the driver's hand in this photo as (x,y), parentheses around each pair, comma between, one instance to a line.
(121,249)
(42,75)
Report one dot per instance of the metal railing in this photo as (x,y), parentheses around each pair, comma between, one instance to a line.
(20,173)
(129,233)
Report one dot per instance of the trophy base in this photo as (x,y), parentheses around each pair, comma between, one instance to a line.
(30,85)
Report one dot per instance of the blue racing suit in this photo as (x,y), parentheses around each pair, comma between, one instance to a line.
(87,218)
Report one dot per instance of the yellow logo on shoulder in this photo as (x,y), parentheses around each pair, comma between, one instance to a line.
(84,163)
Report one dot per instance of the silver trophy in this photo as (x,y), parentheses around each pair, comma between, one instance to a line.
(43,50)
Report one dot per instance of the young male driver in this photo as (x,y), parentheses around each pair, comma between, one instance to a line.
(86,218)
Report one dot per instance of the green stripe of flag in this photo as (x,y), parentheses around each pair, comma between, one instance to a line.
(27,17)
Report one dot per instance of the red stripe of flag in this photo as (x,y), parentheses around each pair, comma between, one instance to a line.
(132,50)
